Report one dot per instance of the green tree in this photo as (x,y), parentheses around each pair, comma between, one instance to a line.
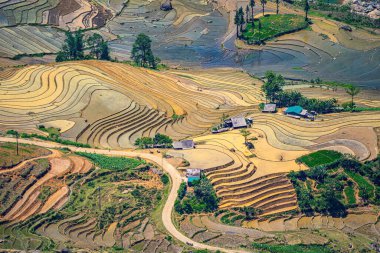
(162,139)
(263,3)
(250,212)
(317,173)
(237,23)
(104,51)
(259,30)
(352,91)
(144,142)
(241,18)
(252,4)
(205,194)
(94,42)
(273,86)
(277,6)
(245,134)
(182,190)
(306,8)
(72,48)
(99,47)
(142,53)
(247,14)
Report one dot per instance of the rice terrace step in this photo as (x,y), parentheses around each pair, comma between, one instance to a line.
(189,126)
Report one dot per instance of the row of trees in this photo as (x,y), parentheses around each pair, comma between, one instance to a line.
(273,90)
(239,19)
(239,15)
(75,44)
(159,140)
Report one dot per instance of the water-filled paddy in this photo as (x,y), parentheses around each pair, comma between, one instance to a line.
(195,39)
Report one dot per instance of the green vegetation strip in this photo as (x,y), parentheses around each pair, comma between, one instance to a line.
(112,163)
(291,248)
(273,26)
(363,184)
(350,194)
(320,157)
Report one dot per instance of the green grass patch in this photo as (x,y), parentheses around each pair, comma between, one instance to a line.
(366,109)
(111,162)
(273,26)
(291,248)
(363,184)
(320,157)
(52,131)
(349,191)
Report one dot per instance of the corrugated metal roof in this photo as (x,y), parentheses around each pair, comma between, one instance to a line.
(294,109)
(269,108)
(238,122)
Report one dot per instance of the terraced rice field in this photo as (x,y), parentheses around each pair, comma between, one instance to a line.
(72,91)
(36,185)
(206,228)
(70,14)
(29,40)
(54,203)
(147,102)
(361,222)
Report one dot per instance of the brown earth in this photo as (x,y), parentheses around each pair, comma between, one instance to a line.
(365,135)
(63,8)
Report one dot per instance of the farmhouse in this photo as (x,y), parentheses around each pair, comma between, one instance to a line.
(271,108)
(238,122)
(298,112)
(193,174)
(185,144)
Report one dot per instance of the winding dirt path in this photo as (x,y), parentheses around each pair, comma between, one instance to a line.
(170,169)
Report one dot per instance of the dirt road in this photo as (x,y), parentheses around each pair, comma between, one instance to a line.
(170,169)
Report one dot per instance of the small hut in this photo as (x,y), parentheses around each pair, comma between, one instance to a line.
(270,108)
(166,6)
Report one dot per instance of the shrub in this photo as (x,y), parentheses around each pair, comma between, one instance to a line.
(165,179)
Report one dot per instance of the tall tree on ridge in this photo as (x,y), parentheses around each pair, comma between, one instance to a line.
(237,23)
(352,90)
(277,6)
(259,30)
(142,52)
(247,14)
(252,4)
(307,8)
(241,18)
(263,3)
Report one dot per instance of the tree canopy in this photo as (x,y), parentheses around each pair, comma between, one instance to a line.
(142,52)
(74,46)
(273,90)
(273,86)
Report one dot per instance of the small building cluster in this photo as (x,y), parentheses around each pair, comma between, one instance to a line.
(298,112)
(234,123)
(193,175)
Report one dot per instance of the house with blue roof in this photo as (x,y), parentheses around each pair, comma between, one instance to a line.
(297,112)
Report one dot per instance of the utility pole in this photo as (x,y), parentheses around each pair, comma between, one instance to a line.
(17,143)
(100,206)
